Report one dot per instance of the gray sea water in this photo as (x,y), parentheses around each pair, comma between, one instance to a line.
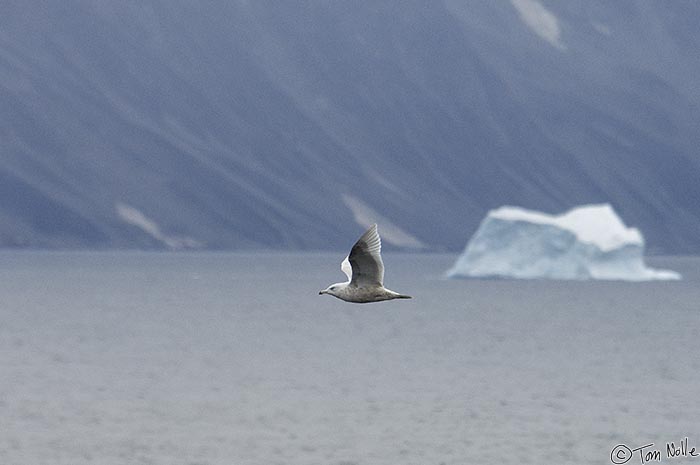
(146,358)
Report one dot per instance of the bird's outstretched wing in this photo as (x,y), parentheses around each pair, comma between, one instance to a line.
(366,260)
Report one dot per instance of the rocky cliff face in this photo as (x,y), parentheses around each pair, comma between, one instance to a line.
(244,124)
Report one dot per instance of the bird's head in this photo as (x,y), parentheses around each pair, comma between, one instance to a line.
(332,289)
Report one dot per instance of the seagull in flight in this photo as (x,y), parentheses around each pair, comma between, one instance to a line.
(365,272)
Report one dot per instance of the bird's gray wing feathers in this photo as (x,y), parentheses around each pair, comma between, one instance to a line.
(366,260)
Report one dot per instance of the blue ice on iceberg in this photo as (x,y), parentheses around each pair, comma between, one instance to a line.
(587,242)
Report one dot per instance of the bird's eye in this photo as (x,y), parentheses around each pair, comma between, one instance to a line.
(332,288)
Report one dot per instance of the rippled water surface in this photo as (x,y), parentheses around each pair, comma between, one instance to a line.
(143,358)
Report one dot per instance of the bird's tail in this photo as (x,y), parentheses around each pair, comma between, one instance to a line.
(403,296)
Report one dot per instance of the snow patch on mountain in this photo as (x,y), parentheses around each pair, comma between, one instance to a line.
(136,218)
(542,21)
(365,216)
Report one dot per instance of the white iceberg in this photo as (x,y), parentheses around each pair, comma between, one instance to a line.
(587,242)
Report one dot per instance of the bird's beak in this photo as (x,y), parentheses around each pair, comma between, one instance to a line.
(321,292)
